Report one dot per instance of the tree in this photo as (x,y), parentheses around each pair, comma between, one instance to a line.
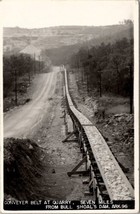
(14,67)
(105,67)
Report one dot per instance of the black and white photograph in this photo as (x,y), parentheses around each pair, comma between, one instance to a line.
(69,106)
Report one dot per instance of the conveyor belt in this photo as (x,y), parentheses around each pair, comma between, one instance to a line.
(107,177)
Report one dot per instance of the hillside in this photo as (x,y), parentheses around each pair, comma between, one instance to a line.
(16,39)
(62,31)
(62,54)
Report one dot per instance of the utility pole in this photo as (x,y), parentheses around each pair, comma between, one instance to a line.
(34,64)
(29,70)
(88,69)
(39,64)
(100,82)
(131,89)
(77,70)
(87,74)
(15,86)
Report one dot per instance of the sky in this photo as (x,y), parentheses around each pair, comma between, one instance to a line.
(46,13)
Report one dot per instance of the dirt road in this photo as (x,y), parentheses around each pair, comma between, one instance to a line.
(24,120)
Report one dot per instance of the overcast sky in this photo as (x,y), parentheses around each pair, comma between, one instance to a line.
(45,13)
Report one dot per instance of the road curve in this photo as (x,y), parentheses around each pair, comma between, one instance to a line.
(22,121)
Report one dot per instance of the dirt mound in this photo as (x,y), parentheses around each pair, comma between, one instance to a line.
(22,168)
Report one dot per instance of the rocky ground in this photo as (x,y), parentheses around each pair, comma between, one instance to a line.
(111,116)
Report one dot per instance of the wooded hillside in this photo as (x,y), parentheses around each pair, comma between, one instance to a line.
(106,68)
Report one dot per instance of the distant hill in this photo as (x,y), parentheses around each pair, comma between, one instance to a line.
(62,41)
(62,54)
